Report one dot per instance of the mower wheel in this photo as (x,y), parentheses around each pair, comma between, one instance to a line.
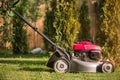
(107,67)
(61,65)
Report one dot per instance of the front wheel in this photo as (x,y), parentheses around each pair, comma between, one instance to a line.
(61,65)
(107,67)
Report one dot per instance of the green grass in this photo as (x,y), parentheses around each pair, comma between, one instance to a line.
(32,67)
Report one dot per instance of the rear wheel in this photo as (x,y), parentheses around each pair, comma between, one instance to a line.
(107,67)
(61,65)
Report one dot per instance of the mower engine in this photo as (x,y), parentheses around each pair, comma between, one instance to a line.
(87,51)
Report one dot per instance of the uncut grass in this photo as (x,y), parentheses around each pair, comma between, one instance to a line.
(32,67)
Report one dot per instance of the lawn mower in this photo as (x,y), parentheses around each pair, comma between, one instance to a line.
(87,57)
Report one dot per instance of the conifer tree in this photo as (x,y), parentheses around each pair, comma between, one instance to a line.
(84,19)
(63,22)
(29,10)
(6,27)
(109,27)
(19,42)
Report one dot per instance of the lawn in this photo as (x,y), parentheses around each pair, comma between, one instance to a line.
(32,67)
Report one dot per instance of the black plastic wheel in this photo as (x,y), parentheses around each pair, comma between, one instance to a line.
(61,65)
(107,67)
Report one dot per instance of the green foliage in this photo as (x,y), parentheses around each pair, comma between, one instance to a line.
(18,37)
(84,19)
(109,25)
(34,10)
(19,33)
(19,42)
(49,30)
(6,31)
(63,22)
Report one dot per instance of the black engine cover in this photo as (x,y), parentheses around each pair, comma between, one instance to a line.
(93,55)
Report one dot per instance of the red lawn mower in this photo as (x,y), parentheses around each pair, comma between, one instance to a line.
(87,57)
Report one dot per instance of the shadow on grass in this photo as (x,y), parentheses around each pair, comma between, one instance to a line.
(36,66)
(37,69)
(26,62)
(10,55)
(23,62)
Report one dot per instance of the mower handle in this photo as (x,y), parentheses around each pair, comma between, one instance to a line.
(10,4)
(58,49)
(33,27)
